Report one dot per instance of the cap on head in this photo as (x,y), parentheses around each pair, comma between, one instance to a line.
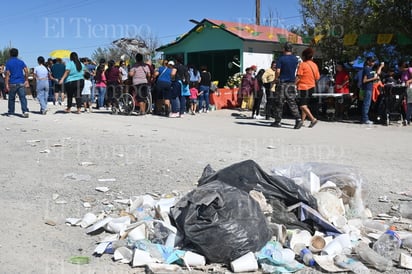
(171,63)
(370,58)
(253,67)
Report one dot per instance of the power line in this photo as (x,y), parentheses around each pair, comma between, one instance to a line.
(43,10)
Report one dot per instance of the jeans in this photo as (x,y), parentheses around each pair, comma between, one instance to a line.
(182,101)
(101,93)
(20,90)
(175,102)
(42,93)
(176,91)
(92,98)
(285,92)
(408,112)
(204,97)
(366,105)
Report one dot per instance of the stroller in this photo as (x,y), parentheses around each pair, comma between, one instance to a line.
(391,104)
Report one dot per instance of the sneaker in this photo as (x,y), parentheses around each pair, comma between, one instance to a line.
(25,115)
(254,116)
(368,122)
(313,123)
(44,112)
(275,124)
(200,110)
(102,108)
(173,115)
(258,117)
(298,124)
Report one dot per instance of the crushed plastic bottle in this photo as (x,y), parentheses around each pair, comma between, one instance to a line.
(388,245)
(348,263)
(304,253)
(371,258)
(143,213)
(112,246)
(307,257)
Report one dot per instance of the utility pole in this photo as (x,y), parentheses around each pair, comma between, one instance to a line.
(258,12)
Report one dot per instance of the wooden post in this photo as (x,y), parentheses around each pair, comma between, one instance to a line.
(258,12)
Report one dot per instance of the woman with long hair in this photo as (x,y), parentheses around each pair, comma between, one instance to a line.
(100,79)
(258,95)
(42,84)
(73,82)
(113,89)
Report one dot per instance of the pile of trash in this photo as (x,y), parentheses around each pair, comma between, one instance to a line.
(309,215)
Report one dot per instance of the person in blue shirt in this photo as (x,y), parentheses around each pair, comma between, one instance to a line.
(73,82)
(16,81)
(367,86)
(57,71)
(163,87)
(286,67)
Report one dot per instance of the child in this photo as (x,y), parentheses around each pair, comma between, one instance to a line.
(86,92)
(194,93)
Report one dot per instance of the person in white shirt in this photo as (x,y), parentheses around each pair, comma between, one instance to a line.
(41,73)
(86,92)
(123,72)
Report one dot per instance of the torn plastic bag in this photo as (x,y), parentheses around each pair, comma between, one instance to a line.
(347,179)
(220,222)
(279,191)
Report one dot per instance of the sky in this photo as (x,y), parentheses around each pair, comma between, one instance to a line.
(38,27)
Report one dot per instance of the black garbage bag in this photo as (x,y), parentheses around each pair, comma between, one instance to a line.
(221,222)
(279,191)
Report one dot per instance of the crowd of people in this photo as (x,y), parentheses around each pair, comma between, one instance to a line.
(288,81)
(175,88)
(293,81)
(178,89)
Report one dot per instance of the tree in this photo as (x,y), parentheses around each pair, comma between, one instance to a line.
(329,20)
(109,53)
(4,55)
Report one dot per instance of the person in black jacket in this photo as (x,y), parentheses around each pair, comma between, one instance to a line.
(204,89)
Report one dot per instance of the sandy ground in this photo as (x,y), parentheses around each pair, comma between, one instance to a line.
(43,155)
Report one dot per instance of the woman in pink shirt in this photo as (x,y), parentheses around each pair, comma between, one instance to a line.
(100,79)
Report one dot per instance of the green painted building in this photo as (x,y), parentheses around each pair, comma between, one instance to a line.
(230,47)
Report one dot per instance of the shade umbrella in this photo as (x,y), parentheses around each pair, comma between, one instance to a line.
(358,63)
(60,53)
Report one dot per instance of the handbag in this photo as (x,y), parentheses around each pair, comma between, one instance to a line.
(316,81)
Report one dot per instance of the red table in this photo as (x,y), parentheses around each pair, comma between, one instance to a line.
(224,98)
